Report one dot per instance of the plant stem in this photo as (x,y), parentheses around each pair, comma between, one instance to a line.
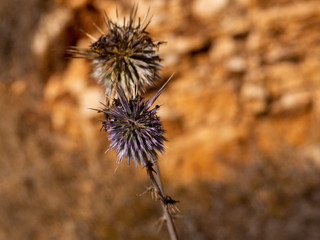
(158,176)
(158,186)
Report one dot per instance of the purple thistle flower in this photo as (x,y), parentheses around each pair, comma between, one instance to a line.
(134,129)
(126,56)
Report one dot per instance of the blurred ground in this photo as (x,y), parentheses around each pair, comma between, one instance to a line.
(241,115)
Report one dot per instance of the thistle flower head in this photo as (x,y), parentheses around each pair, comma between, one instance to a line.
(134,129)
(125,55)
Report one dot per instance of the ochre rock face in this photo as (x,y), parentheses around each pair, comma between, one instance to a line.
(246,78)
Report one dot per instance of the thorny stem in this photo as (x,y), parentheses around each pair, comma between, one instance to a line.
(158,176)
(159,188)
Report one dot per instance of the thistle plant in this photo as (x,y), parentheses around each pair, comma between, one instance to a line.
(126,61)
(124,55)
(136,133)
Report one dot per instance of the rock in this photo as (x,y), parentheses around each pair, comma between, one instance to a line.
(183,44)
(205,9)
(74,3)
(236,65)
(253,97)
(294,102)
(53,88)
(283,77)
(92,97)
(223,47)
(50,26)
(237,27)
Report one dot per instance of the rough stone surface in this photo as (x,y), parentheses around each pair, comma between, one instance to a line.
(232,62)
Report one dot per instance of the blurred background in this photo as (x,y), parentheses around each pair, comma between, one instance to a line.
(241,114)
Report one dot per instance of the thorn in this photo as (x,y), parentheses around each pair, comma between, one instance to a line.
(148,189)
(88,35)
(98,28)
(116,166)
(145,17)
(160,91)
(98,110)
(107,20)
(169,200)
(160,223)
(149,166)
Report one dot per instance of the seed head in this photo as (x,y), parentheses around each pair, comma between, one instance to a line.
(125,55)
(134,129)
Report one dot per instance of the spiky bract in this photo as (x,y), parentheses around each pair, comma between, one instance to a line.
(126,55)
(134,129)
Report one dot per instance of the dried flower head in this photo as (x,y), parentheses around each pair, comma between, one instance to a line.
(125,55)
(134,129)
